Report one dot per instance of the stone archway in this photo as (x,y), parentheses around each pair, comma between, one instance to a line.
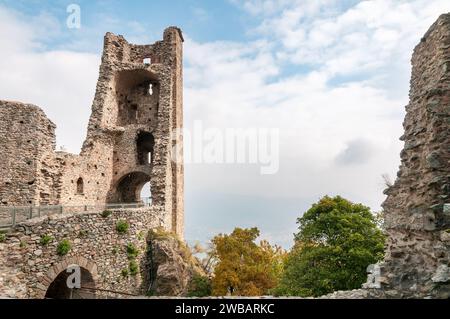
(129,187)
(54,283)
(58,289)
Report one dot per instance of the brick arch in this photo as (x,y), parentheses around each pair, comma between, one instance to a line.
(56,269)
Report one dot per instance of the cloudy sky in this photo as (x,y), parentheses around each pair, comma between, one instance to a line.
(331,75)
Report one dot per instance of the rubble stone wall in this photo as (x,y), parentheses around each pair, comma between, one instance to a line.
(28,267)
(417,214)
(27,139)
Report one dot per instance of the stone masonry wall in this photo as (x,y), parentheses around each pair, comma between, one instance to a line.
(417,214)
(27,137)
(29,267)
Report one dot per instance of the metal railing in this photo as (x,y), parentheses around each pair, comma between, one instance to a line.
(11,216)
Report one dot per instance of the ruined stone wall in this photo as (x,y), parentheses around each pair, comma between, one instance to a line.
(28,267)
(27,142)
(417,218)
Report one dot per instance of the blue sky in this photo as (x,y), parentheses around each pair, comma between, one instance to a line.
(204,20)
(331,75)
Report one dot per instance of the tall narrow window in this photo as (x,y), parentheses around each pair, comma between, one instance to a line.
(145,145)
(80,186)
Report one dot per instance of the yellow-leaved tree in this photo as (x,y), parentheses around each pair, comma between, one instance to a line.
(243,267)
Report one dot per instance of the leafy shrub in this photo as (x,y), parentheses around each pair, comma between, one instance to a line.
(134,268)
(2,237)
(200,286)
(122,227)
(63,247)
(106,213)
(45,240)
(124,272)
(132,251)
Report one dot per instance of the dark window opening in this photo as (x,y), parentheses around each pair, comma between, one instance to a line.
(133,113)
(80,186)
(145,145)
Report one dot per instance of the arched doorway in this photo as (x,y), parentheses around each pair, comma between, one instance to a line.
(59,289)
(130,186)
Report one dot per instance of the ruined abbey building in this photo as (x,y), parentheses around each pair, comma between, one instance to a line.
(138,102)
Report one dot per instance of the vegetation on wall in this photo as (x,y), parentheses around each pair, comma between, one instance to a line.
(45,240)
(133,267)
(122,227)
(106,213)
(63,247)
(132,251)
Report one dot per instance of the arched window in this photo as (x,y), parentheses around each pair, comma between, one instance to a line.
(80,186)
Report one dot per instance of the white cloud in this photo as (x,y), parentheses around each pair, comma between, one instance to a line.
(62,83)
(354,90)
(364,37)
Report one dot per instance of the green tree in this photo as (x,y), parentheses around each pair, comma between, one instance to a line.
(244,268)
(200,286)
(337,240)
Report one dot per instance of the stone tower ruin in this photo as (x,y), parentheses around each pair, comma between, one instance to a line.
(417,209)
(138,105)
